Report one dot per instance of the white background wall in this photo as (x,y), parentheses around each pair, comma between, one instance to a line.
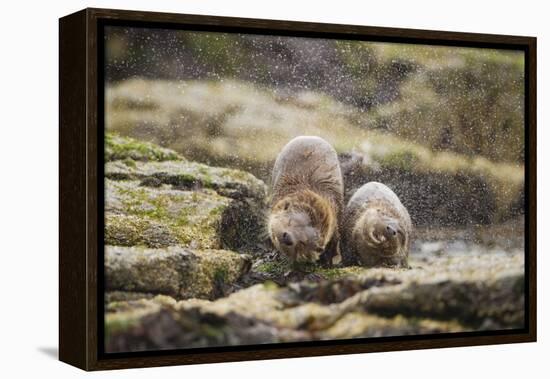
(29,177)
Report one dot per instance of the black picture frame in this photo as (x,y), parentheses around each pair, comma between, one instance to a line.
(81,188)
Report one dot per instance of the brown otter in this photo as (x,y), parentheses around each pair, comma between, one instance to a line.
(377,227)
(307,201)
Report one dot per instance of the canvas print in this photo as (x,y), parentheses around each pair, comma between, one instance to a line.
(264,189)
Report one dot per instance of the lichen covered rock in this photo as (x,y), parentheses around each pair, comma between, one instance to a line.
(462,292)
(129,149)
(161,324)
(178,272)
(163,216)
(189,175)
(172,226)
(362,325)
(156,198)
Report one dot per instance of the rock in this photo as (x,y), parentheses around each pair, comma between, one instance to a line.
(165,216)
(189,175)
(178,272)
(160,217)
(170,224)
(460,292)
(114,298)
(160,199)
(498,302)
(131,230)
(160,324)
(473,288)
(361,325)
(128,149)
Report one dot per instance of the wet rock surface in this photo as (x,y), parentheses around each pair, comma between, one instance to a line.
(463,292)
(186,266)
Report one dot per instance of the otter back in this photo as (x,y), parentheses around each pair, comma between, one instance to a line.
(309,165)
(308,162)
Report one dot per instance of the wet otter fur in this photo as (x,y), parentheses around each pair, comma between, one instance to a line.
(306,202)
(377,227)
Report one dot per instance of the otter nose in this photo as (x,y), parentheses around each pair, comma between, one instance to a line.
(286,239)
(391,230)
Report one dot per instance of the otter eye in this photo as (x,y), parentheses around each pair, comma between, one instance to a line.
(286,206)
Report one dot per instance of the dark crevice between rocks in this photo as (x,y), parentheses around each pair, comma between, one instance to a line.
(336,291)
(242,226)
(185,182)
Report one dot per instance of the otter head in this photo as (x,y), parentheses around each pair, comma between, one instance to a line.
(380,231)
(296,230)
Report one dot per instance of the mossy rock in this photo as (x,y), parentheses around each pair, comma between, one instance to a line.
(133,230)
(163,216)
(163,202)
(130,150)
(189,175)
(283,272)
(480,304)
(158,324)
(457,293)
(160,217)
(363,325)
(180,273)
(118,300)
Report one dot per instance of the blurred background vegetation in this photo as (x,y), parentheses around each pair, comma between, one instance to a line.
(443,126)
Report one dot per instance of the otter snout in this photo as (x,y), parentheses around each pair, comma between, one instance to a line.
(391,231)
(285,238)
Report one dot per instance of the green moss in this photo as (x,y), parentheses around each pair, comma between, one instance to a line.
(115,325)
(212,331)
(273,268)
(340,272)
(130,162)
(217,211)
(125,230)
(140,202)
(237,174)
(124,148)
(217,268)
(270,285)
(207,181)
(192,218)
(277,269)
(403,160)
(305,266)
(221,275)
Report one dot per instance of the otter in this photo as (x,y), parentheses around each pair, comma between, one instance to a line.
(377,227)
(307,202)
